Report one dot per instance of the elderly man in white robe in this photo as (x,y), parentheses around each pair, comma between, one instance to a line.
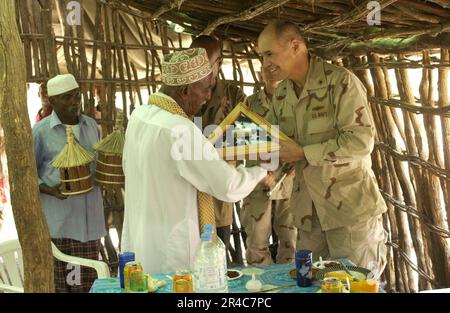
(172,170)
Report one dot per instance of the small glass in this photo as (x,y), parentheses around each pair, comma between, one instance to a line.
(332,285)
(138,282)
(182,282)
(131,267)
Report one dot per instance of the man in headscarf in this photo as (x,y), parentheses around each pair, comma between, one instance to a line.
(171,169)
(225,97)
(76,223)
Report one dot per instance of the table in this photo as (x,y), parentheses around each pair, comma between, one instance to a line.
(275,278)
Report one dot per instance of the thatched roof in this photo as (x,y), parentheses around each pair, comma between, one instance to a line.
(326,24)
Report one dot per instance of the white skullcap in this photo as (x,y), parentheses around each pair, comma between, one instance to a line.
(61,84)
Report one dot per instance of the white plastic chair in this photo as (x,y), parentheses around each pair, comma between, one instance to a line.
(11,265)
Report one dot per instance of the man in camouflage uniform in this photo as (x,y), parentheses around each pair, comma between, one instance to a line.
(224,98)
(336,203)
(258,208)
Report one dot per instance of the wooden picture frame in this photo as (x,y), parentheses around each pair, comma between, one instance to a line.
(248,151)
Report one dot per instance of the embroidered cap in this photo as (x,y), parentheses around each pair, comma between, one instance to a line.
(61,84)
(185,67)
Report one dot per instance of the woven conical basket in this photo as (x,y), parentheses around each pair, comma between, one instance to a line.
(73,163)
(109,172)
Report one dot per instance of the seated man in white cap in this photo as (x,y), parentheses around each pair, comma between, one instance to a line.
(172,170)
(76,223)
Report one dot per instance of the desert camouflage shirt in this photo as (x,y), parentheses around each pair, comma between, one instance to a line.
(224,98)
(331,120)
(260,103)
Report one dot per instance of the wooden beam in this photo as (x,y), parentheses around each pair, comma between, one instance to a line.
(358,13)
(244,15)
(405,8)
(387,45)
(166,8)
(28,215)
(426,8)
(442,3)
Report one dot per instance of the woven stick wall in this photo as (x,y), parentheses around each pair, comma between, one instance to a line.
(103,64)
(412,163)
(411,159)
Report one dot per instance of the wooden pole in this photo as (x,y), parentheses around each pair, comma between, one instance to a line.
(138,91)
(383,175)
(28,214)
(155,57)
(36,20)
(445,122)
(394,112)
(25,23)
(149,39)
(106,66)
(438,247)
(49,42)
(116,27)
(35,45)
(89,107)
(129,77)
(147,63)
(97,34)
(399,222)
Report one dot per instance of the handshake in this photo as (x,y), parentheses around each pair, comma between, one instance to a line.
(274,179)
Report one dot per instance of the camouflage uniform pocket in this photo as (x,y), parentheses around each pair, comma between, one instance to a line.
(287,125)
(319,125)
(260,110)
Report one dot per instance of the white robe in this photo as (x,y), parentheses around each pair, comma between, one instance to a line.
(161,214)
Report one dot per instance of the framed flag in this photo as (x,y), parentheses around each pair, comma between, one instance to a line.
(244,134)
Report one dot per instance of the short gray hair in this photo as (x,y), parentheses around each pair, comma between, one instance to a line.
(286,30)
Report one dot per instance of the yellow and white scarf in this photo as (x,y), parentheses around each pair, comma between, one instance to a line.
(204,201)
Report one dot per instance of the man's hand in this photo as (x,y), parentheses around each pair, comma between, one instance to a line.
(291,171)
(52,191)
(290,152)
(268,181)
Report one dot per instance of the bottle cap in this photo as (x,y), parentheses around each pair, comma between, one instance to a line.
(208,228)
(205,236)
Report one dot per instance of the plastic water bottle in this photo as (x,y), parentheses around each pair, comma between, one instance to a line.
(209,228)
(209,272)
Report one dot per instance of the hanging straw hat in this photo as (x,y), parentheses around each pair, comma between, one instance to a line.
(185,67)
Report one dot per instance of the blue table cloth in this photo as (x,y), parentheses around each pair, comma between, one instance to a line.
(275,278)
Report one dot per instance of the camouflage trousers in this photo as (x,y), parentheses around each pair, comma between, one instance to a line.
(256,217)
(362,243)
